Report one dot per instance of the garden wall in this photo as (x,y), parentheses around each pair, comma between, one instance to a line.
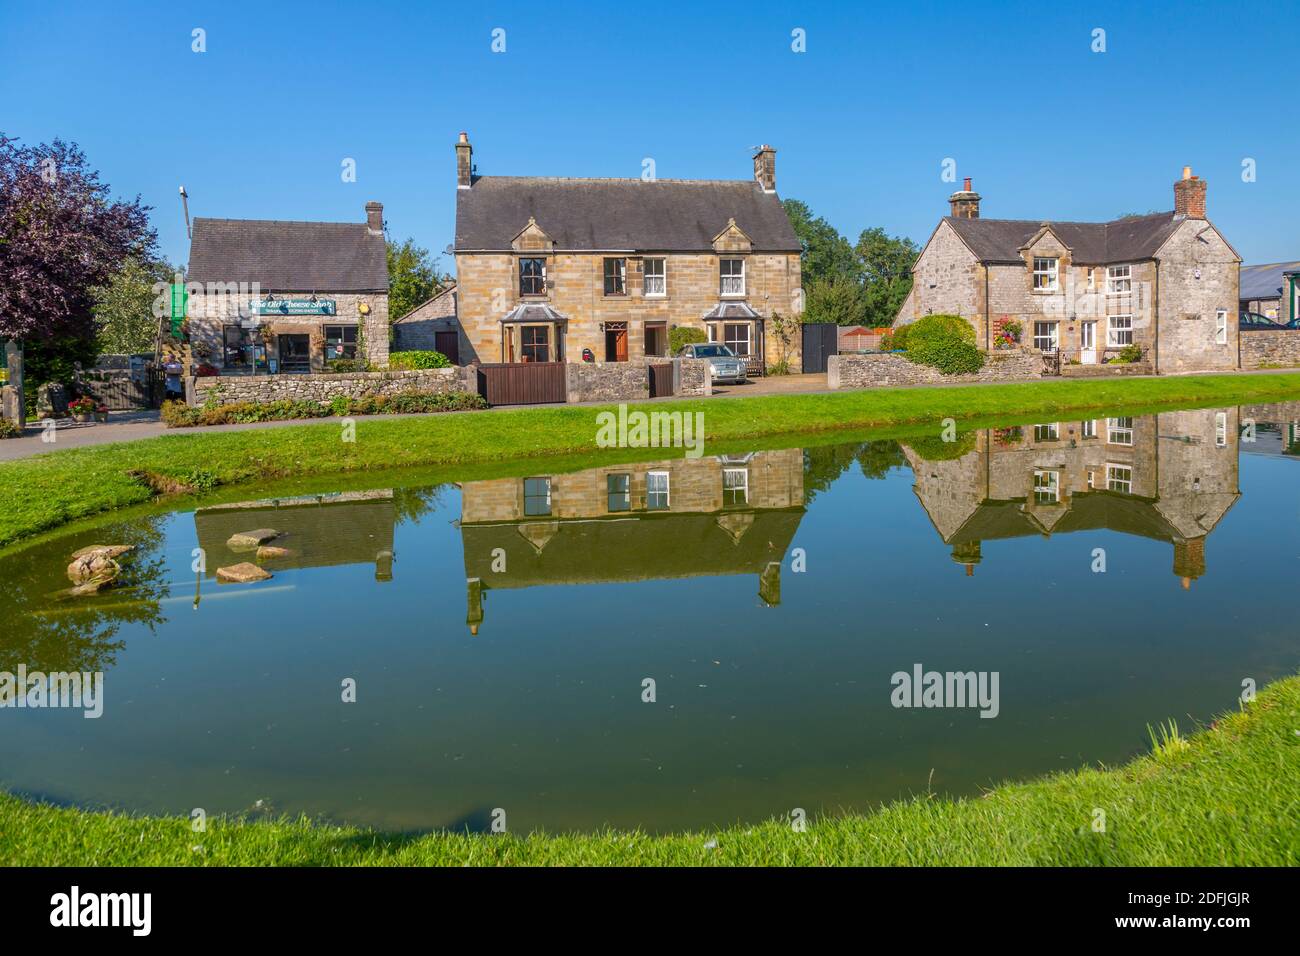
(1105,369)
(1269,347)
(878,370)
(630,381)
(322,388)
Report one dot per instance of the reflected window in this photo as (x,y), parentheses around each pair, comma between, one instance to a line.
(1221,429)
(735,486)
(1089,428)
(537,496)
(1047,487)
(1050,432)
(1119,431)
(619,491)
(656,490)
(1119,478)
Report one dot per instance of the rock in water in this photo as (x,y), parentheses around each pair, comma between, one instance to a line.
(251,540)
(243,573)
(270,551)
(93,567)
(107,550)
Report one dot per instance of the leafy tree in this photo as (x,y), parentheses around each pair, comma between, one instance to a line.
(124,306)
(886,264)
(838,299)
(826,254)
(412,277)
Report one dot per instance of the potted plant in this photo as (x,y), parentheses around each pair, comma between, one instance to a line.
(101,413)
(82,408)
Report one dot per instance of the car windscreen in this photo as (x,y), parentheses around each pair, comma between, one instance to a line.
(713,351)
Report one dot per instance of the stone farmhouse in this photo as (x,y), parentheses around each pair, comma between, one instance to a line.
(600,270)
(1166,283)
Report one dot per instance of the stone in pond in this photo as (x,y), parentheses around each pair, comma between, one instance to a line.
(242,573)
(251,540)
(107,550)
(93,567)
(271,552)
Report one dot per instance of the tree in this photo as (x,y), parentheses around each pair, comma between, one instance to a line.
(61,235)
(837,299)
(124,318)
(826,253)
(412,277)
(886,264)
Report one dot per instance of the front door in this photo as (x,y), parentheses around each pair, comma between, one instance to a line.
(447,344)
(616,343)
(295,354)
(1088,343)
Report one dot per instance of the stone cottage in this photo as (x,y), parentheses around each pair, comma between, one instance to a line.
(271,297)
(555,269)
(1084,291)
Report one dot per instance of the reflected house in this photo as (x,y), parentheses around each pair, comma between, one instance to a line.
(1169,477)
(1272,430)
(317,530)
(677,518)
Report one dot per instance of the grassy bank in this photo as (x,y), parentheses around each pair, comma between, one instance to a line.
(1228,796)
(40,493)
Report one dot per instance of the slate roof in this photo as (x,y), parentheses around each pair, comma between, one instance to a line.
(289,256)
(1265,281)
(669,215)
(1093,243)
(731,310)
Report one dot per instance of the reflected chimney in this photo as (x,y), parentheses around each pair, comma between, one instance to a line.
(474,598)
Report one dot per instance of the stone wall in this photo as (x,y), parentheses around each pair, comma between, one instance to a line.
(607,381)
(1268,347)
(1105,370)
(692,377)
(875,371)
(322,388)
(417,330)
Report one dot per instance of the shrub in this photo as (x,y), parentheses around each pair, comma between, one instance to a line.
(950,356)
(933,448)
(347,365)
(681,336)
(933,327)
(180,415)
(9,429)
(1129,354)
(417,359)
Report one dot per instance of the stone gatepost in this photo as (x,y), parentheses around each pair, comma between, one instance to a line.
(14,408)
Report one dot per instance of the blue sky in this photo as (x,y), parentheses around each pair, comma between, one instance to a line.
(257,126)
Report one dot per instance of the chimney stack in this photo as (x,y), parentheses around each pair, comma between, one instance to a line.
(765,168)
(1189,195)
(375,218)
(965,203)
(464,168)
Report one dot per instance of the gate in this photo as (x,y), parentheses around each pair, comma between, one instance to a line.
(661,379)
(820,342)
(122,391)
(522,383)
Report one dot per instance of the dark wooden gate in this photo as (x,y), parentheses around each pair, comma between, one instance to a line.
(448,344)
(522,383)
(820,342)
(661,379)
(122,391)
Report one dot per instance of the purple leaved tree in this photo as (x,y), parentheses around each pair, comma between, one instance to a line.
(61,234)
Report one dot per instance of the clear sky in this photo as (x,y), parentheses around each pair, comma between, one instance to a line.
(259,124)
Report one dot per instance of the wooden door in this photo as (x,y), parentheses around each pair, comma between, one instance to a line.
(448,344)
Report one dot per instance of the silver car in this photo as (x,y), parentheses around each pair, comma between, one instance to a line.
(725,364)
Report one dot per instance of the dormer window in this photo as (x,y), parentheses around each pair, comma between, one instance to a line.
(1045,274)
(732,276)
(532,276)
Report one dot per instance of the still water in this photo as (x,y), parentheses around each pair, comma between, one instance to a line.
(1113,573)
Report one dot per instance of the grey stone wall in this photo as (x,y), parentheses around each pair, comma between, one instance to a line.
(1198,276)
(692,377)
(416,330)
(875,371)
(1259,348)
(322,388)
(607,381)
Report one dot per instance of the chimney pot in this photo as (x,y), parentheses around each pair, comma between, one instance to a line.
(966,184)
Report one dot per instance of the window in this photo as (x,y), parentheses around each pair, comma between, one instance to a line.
(1044,274)
(1047,487)
(735,335)
(1092,279)
(1119,280)
(1221,327)
(340,342)
(619,491)
(735,486)
(1050,432)
(1220,429)
(1045,336)
(532,276)
(1119,431)
(732,273)
(537,496)
(656,490)
(536,343)
(1089,428)
(615,277)
(656,281)
(1119,478)
(237,347)
(1119,330)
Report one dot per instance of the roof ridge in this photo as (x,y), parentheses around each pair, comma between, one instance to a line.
(280,222)
(628,179)
(1064,222)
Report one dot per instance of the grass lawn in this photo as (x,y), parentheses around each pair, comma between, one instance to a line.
(41,493)
(1227,796)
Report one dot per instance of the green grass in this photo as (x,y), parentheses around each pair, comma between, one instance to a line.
(41,493)
(1227,796)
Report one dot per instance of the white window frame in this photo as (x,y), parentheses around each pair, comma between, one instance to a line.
(1054,336)
(1047,487)
(1092,278)
(666,491)
(1048,272)
(1221,327)
(723,277)
(1220,429)
(1113,479)
(1116,332)
(1088,428)
(1119,433)
(661,276)
(1119,280)
(742,485)
(1052,433)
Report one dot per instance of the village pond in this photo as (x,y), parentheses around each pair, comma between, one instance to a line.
(672,644)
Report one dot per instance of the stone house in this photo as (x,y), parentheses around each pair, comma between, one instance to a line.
(272,297)
(1166,282)
(558,269)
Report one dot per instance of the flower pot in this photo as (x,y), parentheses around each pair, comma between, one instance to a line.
(81,417)
(101,416)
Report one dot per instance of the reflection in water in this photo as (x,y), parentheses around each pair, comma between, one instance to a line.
(773,684)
